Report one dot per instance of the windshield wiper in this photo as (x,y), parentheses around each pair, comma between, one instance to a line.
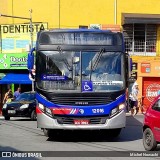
(97,59)
(64,59)
(96,62)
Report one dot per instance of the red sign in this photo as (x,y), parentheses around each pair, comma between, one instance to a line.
(145,67)
(151,88)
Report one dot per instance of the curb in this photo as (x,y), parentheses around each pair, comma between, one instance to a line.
(140,114)
(1,117)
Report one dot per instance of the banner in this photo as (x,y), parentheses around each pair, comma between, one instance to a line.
(15,37)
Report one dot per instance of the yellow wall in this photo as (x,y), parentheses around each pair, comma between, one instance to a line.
(72,13)
(43,11)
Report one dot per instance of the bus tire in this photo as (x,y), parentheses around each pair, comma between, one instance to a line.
(33,115)
(7,118)
(115,132)
(48,133)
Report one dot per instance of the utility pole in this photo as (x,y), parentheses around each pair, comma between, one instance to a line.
(31,28)
(115,11)
(31,32)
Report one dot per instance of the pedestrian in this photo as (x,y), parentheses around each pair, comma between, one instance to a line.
(17,92)
(127,100)
(134,99)
(8,96)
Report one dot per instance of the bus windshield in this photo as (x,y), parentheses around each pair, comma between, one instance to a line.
(69,71)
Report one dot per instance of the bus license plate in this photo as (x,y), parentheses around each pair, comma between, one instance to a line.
(81,121)
(11,111)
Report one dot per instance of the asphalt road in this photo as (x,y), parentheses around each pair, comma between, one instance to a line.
(20,134)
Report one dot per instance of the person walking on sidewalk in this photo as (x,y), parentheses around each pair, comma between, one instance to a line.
(8,96)
(134,99)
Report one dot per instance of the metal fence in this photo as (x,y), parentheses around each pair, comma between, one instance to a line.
(141,47)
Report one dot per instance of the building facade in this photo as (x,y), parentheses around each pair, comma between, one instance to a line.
(138,20)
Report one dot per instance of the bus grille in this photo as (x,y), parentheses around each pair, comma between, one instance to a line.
(81,101)
(92,120)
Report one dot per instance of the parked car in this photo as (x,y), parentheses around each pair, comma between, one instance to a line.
(23,106)
(151,126)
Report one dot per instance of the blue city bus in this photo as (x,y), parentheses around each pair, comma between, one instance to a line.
(80,81)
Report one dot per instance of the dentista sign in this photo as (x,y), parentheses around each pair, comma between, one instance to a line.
(13,61)
(22,28)
(15,37)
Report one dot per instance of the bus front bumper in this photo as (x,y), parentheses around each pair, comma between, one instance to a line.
(117,121)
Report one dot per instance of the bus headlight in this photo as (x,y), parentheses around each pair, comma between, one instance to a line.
(117,109)
(45,109)
(114,111)
(48,111)
(122,106)
(41,106)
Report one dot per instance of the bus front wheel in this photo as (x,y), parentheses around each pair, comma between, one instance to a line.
(115,132)
(112,133)
(50,133)
(47,132)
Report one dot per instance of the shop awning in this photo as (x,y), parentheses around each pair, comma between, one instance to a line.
(12,78)
(130,18)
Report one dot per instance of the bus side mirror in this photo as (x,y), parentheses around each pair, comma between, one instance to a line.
(128,68)
(30,60)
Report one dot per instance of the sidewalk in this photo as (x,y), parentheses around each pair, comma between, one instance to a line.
(129,114)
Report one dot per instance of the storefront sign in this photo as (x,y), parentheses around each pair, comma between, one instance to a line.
(95,26)
(145,67)
(111,27)
(13,61)
(152,91)
(133,77)
(134,66)
(15,37)
(153,54)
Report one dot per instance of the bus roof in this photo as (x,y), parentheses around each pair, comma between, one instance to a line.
(80,30)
